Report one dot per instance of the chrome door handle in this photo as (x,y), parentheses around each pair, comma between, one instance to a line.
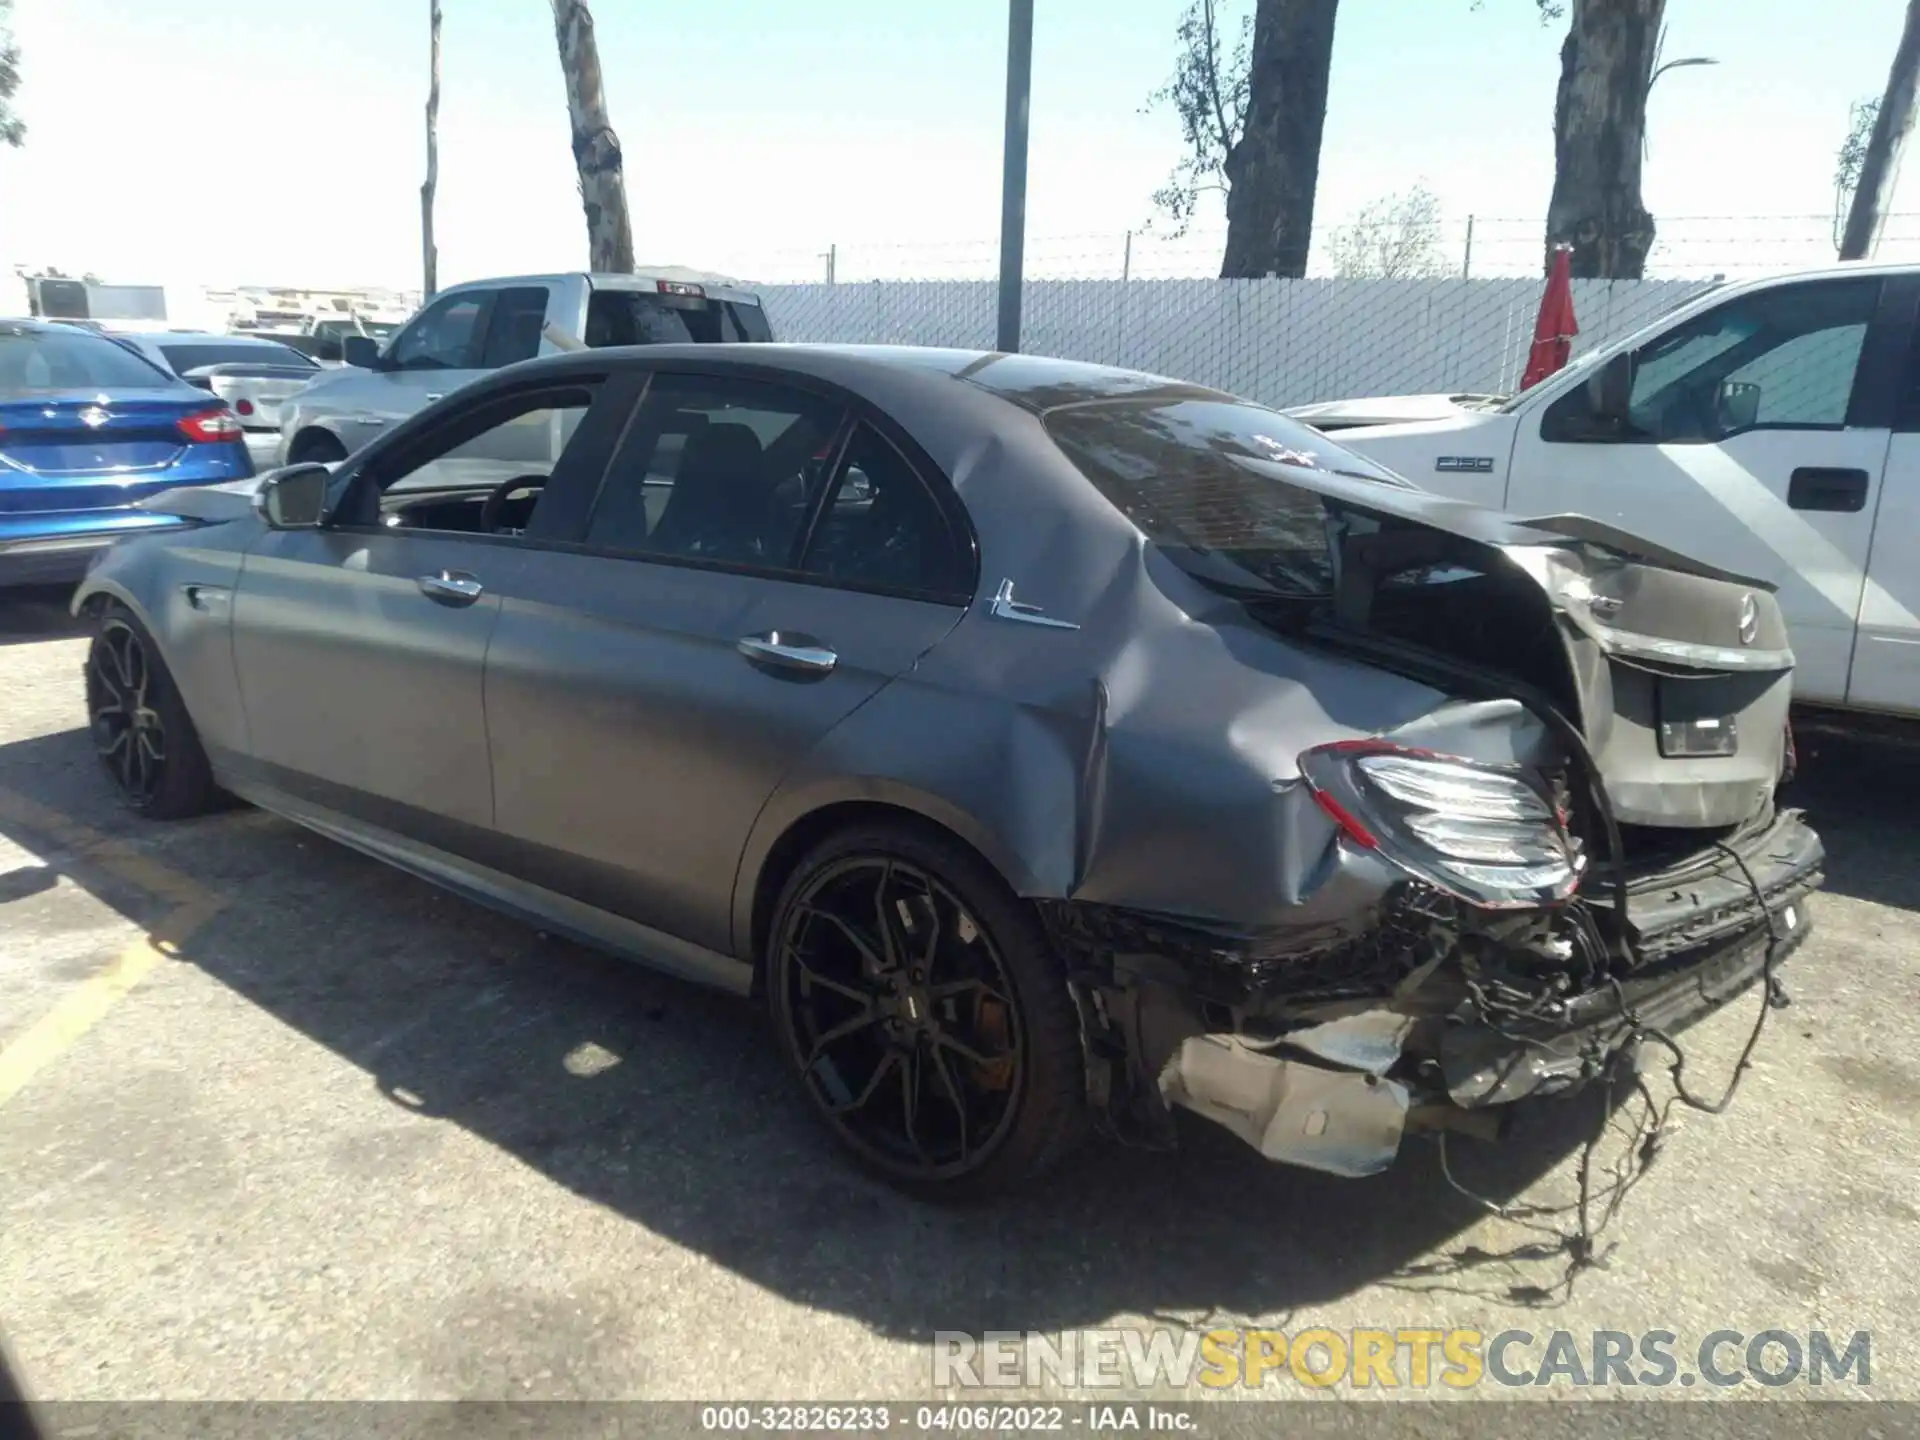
(789,651)
(451,587)
(434,395)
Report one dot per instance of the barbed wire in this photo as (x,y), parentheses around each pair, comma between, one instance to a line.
(1686,247)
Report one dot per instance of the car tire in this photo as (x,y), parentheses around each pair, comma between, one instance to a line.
(139,725)
(316,447)
(958,1028)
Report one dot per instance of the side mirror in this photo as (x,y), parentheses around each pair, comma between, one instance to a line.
(362,351)
(1737,406)
(294,498)
(1610,391)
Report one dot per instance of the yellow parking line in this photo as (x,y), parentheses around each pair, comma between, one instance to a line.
(61,1028)
(114,856)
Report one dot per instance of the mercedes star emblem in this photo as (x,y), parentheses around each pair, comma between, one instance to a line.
(93,417)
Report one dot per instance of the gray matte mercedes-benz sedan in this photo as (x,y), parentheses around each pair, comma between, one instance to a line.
(1048,746)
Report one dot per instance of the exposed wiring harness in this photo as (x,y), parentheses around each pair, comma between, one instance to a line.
(1580,1245)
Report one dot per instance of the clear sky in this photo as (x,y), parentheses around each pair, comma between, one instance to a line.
(281,141)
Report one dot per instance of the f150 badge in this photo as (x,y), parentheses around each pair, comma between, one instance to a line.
(1469,464)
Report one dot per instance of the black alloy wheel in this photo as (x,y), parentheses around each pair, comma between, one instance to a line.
(129,734)
(913,1015)
(140,729)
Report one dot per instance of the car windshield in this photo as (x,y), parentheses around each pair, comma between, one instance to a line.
(191,357)
(1207,481)
(60,358)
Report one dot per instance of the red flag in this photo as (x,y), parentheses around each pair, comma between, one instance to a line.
(1553,332)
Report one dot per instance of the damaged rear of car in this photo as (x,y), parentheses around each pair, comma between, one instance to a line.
(1574,846)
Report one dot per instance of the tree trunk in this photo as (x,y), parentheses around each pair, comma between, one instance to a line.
(596,149)
(429,256)
(1881,162)
(1274,167)
(1599,127)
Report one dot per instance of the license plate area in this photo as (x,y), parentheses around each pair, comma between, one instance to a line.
(1688,724)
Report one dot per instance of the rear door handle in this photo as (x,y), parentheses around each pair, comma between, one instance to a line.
(451,587)
(1815,487)
(433,395)
(789,650)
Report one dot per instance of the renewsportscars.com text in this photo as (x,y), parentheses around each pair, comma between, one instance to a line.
(1364,1359)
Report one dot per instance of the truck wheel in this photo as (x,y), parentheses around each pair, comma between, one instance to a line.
(316,447)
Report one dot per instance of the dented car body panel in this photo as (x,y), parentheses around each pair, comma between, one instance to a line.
(1219,740)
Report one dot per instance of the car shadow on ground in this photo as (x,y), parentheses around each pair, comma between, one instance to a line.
(1862,793)
(36,613)
(668,1105)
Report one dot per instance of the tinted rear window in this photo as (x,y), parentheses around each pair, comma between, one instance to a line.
(635,317)
(1209,479)
(749,322)
(191,357)
(33,361)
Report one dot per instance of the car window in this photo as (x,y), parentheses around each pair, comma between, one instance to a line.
(446,336)
(882,528)
(1206,482)
(1783,357)
(191,357)
(716,469)
(442,482)
(513,329)
(63,358)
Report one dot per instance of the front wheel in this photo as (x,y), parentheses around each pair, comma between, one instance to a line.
(140,727)
(929,1021)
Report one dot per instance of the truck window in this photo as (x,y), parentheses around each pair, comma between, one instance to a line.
(1783,358)
(513,330)
(444,336)
(641,317)
(747,323)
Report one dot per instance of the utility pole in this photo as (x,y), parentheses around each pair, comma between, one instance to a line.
(1126,259)
(1466,265)
(1013,189)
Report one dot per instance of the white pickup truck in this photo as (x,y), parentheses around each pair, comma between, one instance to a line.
(470,329)
(1769,427)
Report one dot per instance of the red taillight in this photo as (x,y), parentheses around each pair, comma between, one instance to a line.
(679,287)
(243,406)
(206,427)
(1344,818)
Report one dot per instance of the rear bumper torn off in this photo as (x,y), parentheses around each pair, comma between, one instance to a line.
(1332,1080)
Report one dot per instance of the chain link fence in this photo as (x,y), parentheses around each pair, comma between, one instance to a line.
(1279,342)
(1459,319)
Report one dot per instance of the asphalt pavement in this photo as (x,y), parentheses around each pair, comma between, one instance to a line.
(279,1122)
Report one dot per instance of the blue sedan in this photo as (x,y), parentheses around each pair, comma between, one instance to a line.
(88,429)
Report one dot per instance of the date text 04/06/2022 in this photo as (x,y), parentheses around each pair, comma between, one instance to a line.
(940,1419)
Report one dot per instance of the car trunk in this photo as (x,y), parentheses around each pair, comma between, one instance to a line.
(1675,677)
(254,392)
(75,451)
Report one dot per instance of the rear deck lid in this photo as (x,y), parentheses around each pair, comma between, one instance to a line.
(81,450)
